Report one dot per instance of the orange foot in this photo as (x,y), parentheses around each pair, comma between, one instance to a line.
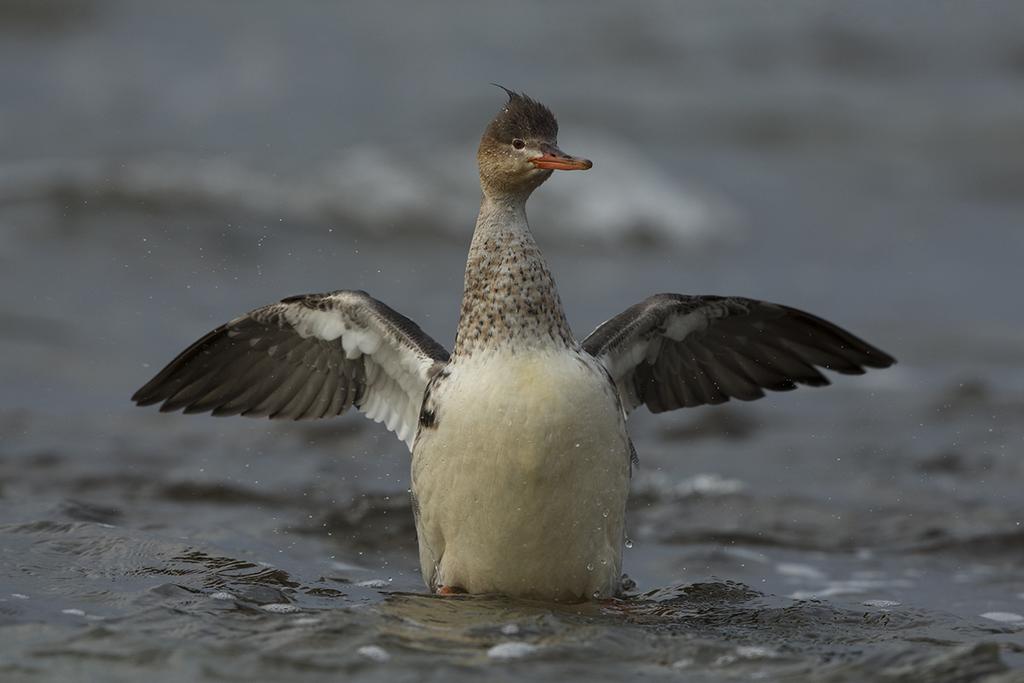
(450,590)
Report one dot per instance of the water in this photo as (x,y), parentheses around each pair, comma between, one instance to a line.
(165,167)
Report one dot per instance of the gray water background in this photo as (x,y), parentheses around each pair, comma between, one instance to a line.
(167,166)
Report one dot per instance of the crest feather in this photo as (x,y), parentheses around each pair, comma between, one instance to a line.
(522,117)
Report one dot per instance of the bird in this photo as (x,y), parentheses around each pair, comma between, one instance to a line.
(521,457)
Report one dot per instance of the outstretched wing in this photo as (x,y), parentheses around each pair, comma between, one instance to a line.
(306,357)
(671,350)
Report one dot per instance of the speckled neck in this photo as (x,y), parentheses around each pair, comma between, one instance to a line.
(510,300)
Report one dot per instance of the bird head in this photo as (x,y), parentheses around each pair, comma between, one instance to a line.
(519,148)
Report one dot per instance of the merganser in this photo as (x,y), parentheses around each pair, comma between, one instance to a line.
(521,457)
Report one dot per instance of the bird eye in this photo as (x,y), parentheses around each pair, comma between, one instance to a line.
(518,144)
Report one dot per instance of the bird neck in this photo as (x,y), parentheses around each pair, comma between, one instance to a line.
(510,300)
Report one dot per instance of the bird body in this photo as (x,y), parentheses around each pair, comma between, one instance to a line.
(518,418)
(521,457)
(520,482)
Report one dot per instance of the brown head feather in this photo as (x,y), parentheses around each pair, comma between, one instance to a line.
(522,117)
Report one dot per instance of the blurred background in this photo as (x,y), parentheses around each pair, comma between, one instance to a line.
(166,166)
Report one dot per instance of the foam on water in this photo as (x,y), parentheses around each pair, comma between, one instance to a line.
(660,485)
(881,603)
(1004,617)
(849,587)
(512,650)
(799,571)
(756,652)
(374,653)
(373,191)
(280,608)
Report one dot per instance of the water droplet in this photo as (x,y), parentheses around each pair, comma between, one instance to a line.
(629,543)
(605,514)
(597,595)
(590,567)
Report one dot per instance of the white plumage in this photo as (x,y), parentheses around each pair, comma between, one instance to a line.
(521,486)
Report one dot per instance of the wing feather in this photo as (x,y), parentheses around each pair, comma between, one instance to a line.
(671,350)
(305,357)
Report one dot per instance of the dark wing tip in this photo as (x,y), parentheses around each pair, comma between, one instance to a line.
(145,395)
(852,347)
(149,393)
(156,390)
(878,358)
(165,383)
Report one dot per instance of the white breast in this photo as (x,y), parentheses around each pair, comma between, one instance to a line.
(522,482)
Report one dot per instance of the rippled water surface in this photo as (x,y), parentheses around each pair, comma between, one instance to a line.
(167,166)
